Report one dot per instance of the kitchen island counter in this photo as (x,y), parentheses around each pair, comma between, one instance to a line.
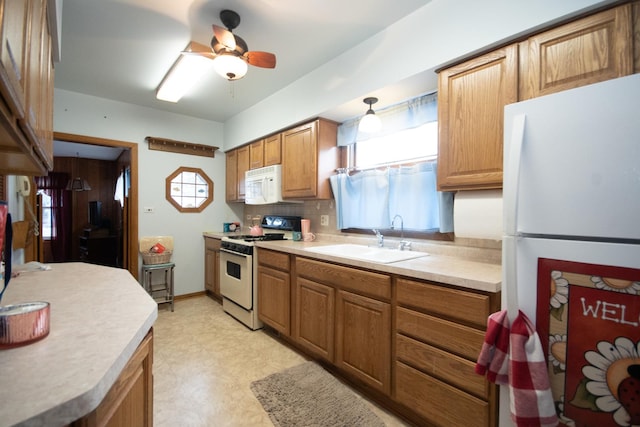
(99,317)
(438,267)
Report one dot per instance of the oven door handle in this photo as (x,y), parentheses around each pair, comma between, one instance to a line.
(234,253)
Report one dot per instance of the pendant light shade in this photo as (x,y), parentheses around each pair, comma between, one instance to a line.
(78,184)
(230,66)
(370,122)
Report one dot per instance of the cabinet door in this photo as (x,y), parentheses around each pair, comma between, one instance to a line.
(256,154)
(363,345)
(243,166)
(273,150)
(33,80)
(589,50)
(274,302)
(210,270)
(299,161)
(231,175)
(129,402)
(13,48)
(315,317)
(471,100)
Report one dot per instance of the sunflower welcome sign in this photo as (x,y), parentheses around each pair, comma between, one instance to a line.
(591,316)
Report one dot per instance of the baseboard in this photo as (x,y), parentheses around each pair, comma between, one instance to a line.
(187,296)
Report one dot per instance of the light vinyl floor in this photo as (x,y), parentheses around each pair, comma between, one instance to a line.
(204,362)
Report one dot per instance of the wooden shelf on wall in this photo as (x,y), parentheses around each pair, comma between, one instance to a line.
(170,145)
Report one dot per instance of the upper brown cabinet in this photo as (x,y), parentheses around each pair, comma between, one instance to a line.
(26,87)
(237,163)
(472,95)
(471,98)
(586,51)
(231,176)
(273,150)
(256,154)
(309,157)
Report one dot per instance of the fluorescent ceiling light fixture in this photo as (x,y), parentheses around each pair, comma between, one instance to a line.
(370,122)
(230,66)
(184,73)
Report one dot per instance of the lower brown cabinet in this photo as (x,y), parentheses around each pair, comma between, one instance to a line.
(129,402)
(411,344)
(364,339)
(212,267)
(315,317)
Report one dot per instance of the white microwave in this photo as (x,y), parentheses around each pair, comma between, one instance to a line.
(263,186)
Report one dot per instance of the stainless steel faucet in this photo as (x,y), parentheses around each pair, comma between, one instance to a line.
(380,238)
(403,243)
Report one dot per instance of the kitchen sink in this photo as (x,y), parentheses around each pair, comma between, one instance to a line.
(366,253)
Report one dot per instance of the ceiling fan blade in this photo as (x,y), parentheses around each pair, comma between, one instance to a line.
(225,37)
(195,48)
(261,59)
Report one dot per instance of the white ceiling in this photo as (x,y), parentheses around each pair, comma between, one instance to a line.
(121,49)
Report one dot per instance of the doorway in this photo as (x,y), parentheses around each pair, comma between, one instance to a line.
(127,220)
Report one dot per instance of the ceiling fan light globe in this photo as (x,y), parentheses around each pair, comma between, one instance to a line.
(370,123)
(230,66)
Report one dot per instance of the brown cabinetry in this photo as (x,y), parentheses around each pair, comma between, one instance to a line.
(315,317)
(265,152)
(231,176)
(274,290)
(472,95)
(212,267)
(237,163)
(256,154)
(273,150)
(344,315)
(589,50)
(439,334)
(471,100)
(363,330)
(129,402)
(411,343)
(309,158)
(26,87)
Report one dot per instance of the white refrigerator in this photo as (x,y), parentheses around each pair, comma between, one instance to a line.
(571,244)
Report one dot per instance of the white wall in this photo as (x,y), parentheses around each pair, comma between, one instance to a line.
(87,115)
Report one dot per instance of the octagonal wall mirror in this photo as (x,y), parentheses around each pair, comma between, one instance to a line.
(189,189)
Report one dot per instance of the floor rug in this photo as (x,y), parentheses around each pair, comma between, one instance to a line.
(307,395)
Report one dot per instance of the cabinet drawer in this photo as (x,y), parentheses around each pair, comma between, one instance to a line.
(365,282)
(211,243)
(452,303)
(274,259)
(457,339)
(447,367)
(440,403)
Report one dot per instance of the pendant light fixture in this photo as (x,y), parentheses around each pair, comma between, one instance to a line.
(78,184)
(370,123)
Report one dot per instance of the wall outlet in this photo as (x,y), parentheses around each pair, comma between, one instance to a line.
(248,217)
(148,209)
(324,220)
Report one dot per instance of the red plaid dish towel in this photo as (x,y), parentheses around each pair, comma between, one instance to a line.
(494,355)
(529,390)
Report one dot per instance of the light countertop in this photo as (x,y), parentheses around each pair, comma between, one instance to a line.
(450,264)
(452,270)
(99,316)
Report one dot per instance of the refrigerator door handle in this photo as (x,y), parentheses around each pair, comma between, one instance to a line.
(510,277)
(512,175)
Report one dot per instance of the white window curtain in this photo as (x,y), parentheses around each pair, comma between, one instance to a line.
(405,115)
(370,199)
